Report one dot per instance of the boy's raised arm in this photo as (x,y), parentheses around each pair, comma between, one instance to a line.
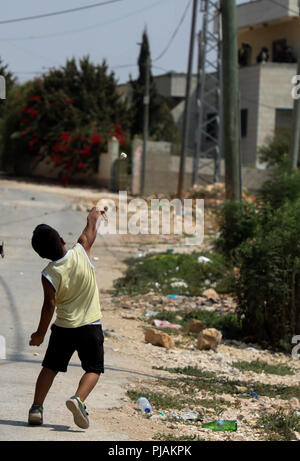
(89,233)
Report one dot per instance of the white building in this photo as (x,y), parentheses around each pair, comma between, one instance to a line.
(265,79)
(265,87)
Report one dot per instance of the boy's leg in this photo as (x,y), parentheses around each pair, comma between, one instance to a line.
(43,384)
(76,403)
(90,351)
(86,385)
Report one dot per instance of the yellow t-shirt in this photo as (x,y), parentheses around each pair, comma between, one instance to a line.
(76,291)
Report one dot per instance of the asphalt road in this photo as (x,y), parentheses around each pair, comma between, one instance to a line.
(20,304)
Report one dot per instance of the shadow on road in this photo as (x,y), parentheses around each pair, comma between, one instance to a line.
(53,427)
(17,358)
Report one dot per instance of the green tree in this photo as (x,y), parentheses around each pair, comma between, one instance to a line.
(276,150)
(161,122)
(67,116)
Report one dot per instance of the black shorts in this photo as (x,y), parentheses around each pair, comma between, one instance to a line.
(86,340)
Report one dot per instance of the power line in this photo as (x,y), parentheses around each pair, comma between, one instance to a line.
(56,13)
(168,45)
(174,33)
(83,29)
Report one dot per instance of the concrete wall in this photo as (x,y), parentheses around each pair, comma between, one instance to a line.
(275,93)
(265,11)
(161,172)
(249,81)
(173,84)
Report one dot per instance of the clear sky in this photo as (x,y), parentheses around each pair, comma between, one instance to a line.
(112,32)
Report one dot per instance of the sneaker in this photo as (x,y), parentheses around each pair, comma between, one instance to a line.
(35,416)
(78,408)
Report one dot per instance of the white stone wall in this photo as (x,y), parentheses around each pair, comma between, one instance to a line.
(264,11)
(249,81)
(275,93)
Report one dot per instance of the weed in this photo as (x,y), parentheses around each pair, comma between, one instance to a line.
(181,438)
(264,367)
(143,273)
(279,425)
(190,384)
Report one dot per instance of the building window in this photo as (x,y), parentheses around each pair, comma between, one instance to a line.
(244,123)
(278,50)
(282,52)
(283,118)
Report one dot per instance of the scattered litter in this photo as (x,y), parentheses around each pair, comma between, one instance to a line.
(123,155)
(249,348)
(160,416)
(95,258)
(221,425)
(170,250)
(144,405)
(157,285)
(150,314)
(185,415)
(173,297)
(165,324)
(254,394)
(251,421)
(179,283)
(149,251)
(203,259)
(36,354)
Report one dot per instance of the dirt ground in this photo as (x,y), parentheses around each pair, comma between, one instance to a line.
(127,339)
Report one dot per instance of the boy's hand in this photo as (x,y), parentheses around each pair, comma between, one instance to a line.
(36,339)
(89,233)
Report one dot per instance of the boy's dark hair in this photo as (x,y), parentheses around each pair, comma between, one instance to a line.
(46,242)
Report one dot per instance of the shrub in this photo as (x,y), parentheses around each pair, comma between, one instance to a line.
(238,222)
(67,116)
(275,151)
(283,187)
(269,278)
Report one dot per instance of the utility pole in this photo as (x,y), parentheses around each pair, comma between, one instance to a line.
(208,142)
(187,104)
(146,122)
(294,154)
(230,110)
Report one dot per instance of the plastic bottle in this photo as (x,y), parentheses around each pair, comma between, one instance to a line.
(221,425)
(144,405)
